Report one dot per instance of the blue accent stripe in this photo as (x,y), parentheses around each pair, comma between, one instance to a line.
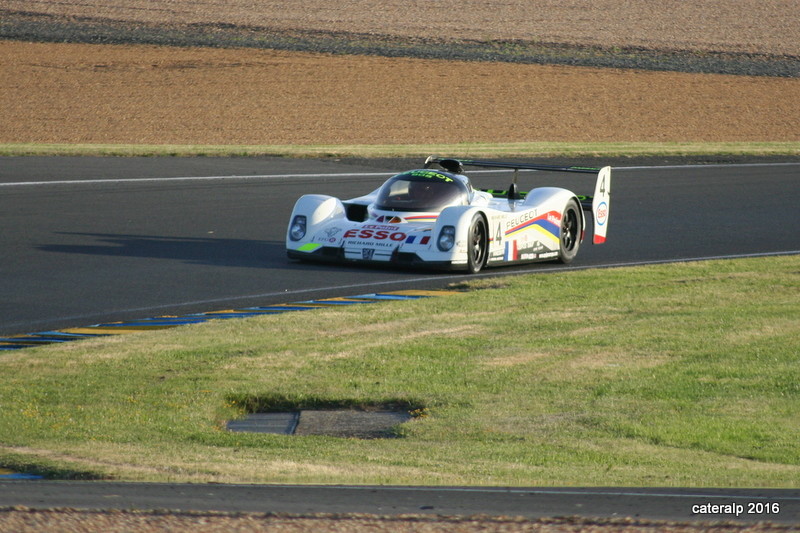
(235,314)
(336,302)
(549,227)
(20,476)
(284,308)
(67,336)
(153,322)
(160,320)
(28,340)
(390,297)
(542,223)
(35,339)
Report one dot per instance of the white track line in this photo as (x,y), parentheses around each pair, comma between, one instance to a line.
(338,175)
(656,493)
(712,165)
(194,178)
(386,174)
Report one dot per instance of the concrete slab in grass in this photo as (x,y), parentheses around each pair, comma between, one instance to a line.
(349,423)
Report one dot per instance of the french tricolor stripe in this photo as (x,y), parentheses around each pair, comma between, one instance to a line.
(511,252)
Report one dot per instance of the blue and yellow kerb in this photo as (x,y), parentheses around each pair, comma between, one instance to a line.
(17,342)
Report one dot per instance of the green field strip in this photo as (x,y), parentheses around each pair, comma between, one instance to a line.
(472,150)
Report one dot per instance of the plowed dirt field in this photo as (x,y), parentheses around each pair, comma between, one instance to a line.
(78,93)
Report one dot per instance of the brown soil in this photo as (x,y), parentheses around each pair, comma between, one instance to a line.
(22,520)
(756,26)
(69,93)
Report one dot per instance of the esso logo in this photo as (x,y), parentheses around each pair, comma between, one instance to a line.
(602,213)
(377,235)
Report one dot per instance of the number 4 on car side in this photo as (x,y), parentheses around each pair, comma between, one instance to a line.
(434,218)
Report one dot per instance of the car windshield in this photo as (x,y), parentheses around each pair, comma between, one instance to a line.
(422,190)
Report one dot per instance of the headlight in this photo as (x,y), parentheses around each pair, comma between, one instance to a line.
(297,230)
(447,238)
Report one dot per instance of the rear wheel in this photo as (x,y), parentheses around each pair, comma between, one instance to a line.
(570,232)
(477,244)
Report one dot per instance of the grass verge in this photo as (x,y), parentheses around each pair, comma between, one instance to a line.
(668,375)
(532,149)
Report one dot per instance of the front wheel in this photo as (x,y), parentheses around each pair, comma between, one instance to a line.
(477,244)
(570,232)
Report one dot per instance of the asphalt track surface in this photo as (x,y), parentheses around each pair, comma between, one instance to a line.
(86,240)
(89,240)
(683,505)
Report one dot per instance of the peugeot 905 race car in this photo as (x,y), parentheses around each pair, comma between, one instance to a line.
(433,217)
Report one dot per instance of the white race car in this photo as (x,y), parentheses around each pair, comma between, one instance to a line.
(433,217)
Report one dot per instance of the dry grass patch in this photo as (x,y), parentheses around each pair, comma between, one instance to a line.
(616,359)
(515,359)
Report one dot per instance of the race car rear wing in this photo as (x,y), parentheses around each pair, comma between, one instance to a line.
(598,204)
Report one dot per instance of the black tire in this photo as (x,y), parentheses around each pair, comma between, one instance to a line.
(477,244)
(570,232)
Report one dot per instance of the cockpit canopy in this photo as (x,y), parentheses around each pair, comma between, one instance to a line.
(422,190)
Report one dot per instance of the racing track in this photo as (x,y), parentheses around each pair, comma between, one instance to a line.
(85,240)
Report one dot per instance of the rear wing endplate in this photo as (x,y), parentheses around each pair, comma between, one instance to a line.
(598,204)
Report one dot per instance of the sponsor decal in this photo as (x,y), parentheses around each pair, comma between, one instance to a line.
(367,233)
(378,226)
(602,213)
(514,222)
(430,174)
(329,235)
(516,251)
(548,225)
